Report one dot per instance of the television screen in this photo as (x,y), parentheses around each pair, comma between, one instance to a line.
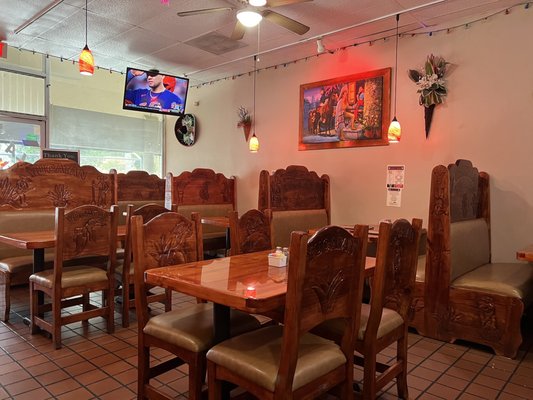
(152,91)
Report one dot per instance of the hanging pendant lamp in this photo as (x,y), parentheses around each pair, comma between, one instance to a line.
(86,61)
(253,144)
(395,130)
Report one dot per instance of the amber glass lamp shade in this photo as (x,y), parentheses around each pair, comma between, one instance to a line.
(253,144)
(86,61)
(395,131)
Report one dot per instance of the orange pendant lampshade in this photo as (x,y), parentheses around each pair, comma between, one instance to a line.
(86,61)
(395,130)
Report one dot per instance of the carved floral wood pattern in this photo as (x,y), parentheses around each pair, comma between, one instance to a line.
(398,285)
(254,232)
(202,186)
(297,188)
(464,193)
(86,232)
(139,185)
(49,183)
(169,240)
(330,257)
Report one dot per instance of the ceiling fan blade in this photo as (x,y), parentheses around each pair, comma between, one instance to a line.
(285,22)
(277,3)
(238,31)
(203,11)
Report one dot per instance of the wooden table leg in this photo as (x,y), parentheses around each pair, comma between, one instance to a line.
(221,326)
(38,266)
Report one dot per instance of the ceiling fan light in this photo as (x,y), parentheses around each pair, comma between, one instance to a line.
(86,61)
(249,18)
(257,3)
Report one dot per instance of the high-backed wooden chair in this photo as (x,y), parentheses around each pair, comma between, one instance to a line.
(82,232)
(325,279)
(250,232)
(467,296)
(124,270)
(138,188)
(298,198)
(207,192)
(170,239)
(385,320)
(29,194)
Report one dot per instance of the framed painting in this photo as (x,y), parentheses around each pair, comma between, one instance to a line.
(350,111)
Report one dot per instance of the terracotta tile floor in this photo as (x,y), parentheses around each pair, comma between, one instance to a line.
(95,365)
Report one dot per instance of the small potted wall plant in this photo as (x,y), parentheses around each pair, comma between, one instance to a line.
(245,121)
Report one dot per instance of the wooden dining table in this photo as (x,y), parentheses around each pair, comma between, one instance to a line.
(38,241)
(244,282)
(221,222)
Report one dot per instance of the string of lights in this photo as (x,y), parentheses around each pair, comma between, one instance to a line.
(417,32)
(371,42)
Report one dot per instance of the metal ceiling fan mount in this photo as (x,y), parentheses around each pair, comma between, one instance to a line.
(262,11)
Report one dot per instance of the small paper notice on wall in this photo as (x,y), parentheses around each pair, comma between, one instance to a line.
(395,176)
(394,197)
(395,184)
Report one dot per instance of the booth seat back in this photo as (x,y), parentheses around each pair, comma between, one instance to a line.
(208,210)
(470,246)
(123,207)
(285,222)
(22,221)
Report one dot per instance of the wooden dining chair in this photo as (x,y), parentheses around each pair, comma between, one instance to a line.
(124,270)
(87,233)
(250,232)
(325,281)
(385,320)
(171,239)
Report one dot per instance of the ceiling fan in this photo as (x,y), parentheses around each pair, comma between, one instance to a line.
(256,9)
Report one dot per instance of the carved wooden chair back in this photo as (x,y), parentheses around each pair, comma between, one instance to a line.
(167,239)
(386,320)
(82,234)
(250,232)
(325,281)
(125,272)
(394,277)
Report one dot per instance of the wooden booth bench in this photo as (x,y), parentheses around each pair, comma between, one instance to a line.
(29,194)
(466,295)
(204,191)
(299,200)
(138,188)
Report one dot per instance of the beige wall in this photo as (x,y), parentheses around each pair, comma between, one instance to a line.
(486,118)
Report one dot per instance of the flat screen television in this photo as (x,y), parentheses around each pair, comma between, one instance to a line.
(155,92)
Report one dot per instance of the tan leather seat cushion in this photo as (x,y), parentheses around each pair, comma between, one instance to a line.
(192,327)
(469,246)
(285,222)
(390,320)
(508,279)
(256,356)
(22,263)
(22,221)
(421,269)
(72,276)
